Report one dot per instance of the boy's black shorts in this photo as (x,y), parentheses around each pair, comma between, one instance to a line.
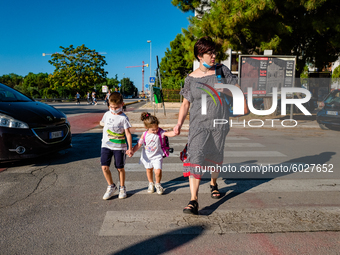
(106,157)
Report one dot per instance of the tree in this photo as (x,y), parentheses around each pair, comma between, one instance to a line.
(127,87)
(174,67)
(111,83)
(336,73)
(186,5)
(34,84)
(11,79)
(77,69)
(308,29)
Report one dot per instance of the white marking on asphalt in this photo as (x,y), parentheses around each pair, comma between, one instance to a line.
(228,145)
(234,154)
(181,137)
(239,186)
(167,167)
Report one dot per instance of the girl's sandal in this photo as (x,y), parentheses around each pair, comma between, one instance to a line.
(215,193)
(191,208)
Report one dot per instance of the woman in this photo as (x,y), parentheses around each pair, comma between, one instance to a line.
(205,142)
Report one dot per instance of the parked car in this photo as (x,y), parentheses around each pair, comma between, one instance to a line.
(28,128)
(329,116)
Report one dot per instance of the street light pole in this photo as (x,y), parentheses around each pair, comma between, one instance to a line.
(149,41)
(123,85)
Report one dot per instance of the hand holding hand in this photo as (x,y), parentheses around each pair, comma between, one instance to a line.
(177,129)
(129,153)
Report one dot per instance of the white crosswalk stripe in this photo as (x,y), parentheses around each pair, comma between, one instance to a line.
(183,138)
(233,154)
(229,145)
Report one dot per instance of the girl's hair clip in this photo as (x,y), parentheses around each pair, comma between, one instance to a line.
(147,115)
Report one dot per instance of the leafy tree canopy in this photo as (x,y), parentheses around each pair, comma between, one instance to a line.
(127,87)
(336,73)
(308,29)
(77,69)
(11,79)
(186,5)
(174,67)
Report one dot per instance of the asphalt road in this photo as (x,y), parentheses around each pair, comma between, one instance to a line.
(53,205)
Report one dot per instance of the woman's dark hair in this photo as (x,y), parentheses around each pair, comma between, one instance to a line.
(149,120)
(203,45)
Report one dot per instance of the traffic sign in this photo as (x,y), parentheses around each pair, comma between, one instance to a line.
(119,84)
(152,80)
(146,86)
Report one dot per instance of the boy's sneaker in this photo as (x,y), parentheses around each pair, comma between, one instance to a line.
(159,189)
(122,192)
(111,189)
(151,188)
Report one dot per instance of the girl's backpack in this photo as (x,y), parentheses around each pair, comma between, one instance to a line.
(164,143)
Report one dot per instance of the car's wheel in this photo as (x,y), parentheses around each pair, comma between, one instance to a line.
(323,126)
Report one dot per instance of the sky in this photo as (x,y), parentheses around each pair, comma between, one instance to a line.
(118,28)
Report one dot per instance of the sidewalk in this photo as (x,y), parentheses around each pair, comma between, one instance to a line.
(250,121)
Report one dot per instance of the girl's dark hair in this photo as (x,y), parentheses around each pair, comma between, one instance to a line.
(203,45)
(149,119)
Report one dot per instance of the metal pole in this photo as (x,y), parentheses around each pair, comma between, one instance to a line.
(143,76)
(149,41)
(180,98)
(160,85)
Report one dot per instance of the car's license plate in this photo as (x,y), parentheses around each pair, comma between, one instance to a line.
(56,134)
(332,113)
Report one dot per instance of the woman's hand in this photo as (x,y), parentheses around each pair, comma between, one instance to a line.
(177,129)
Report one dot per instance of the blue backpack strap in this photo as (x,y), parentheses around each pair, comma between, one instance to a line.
(218,72)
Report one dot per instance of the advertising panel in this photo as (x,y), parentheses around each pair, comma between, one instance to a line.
(262,73)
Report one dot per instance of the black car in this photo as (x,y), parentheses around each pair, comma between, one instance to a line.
(28,128)
(329,116)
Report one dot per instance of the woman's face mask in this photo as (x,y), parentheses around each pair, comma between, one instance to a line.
(206,65)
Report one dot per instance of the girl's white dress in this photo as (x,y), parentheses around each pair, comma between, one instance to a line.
(152,153)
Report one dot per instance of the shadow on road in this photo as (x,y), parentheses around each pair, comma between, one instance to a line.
(247,181)
(163,243)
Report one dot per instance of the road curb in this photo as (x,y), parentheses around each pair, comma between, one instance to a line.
(135,102)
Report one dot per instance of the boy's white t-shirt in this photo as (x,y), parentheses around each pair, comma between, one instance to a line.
(152,149)
(116,124)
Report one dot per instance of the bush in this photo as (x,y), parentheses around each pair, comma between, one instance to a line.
(336,72)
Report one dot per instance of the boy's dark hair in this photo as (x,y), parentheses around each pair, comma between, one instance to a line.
(149,119)
(115,98)
(203,45)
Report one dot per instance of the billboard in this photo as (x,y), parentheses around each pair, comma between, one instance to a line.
(262,73)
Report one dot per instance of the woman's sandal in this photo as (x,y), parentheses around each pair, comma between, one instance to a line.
(191,208)
(215,193)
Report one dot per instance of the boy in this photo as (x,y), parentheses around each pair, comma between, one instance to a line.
(116,127)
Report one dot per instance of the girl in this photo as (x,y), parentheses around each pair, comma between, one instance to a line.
(152,154)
